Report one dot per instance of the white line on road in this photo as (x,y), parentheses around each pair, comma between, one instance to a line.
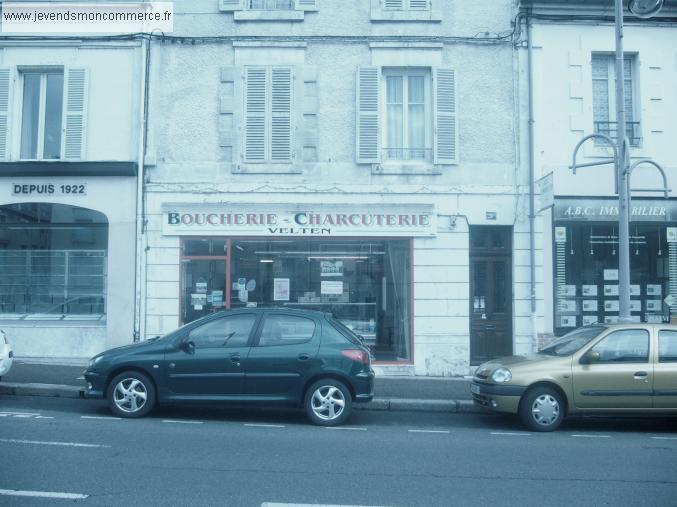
(43,494)
(664,438)
(182,422)
(591,436)
(275,504)
(251,425)
(509,434)
(40,442)
(16,414)
(106,417)
(81,377)
(428,431)
(44,417)
(344,428)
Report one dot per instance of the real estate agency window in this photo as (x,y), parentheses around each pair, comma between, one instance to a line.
(407,114)
(365,283)
(604,97)
(41,114)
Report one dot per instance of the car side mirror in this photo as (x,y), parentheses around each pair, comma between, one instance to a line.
(188,346)
(589,357)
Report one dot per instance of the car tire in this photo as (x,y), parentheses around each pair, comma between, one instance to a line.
(542,409)
(328,402)
(131,394)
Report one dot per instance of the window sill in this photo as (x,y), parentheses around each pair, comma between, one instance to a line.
(404,168)
(266,168)
(283,15)
(405,16)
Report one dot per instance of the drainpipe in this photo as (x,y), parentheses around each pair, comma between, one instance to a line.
(532,215)
(140,275)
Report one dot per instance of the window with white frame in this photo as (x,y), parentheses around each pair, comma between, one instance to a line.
(406,5)
(407,115)
(272,5)
(269,5)
(268,115)
(41,114)
(604,97)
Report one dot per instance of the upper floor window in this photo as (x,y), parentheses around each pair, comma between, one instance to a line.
(406,114)
(268,5)
(42,114)
(271,4)
(268,107)
(408,121)
(406,5)
(604,97)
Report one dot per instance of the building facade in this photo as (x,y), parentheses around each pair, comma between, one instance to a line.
(358,157)
(69,127)
(573,45)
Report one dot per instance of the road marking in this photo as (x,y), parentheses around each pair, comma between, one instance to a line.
(81,377)
(509,434)
(44,417)
(344,428)
(252,425)
(40,442)
(428,431)
(43,494)
(19,414)
(275,504)
(105,417)
(591,436)
(182,422)
(664,438)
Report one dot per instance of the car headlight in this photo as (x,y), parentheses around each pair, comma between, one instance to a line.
(501,375)
(94,360)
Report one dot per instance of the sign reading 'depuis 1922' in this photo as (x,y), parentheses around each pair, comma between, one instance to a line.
(299,220)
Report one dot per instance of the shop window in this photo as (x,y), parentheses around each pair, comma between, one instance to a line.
(286,330)
(586,274)
(53,261)
(604,98)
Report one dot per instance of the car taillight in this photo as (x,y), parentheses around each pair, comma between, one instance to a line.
(358,355)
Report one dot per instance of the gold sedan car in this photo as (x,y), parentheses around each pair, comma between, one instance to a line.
(599,369)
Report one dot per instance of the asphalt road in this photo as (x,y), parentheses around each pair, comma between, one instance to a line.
(73,451)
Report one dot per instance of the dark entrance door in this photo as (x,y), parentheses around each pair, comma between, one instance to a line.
(490,292)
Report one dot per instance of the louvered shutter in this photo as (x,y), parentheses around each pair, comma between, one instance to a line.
(230,5)
(75,114)
(307,5)
(281,96)
(306,105)
(368,115)
(446,131)
(394,4)
(419,5)
(255,115)
(5,82)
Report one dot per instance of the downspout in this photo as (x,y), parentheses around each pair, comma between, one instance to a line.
(140,279)
(532,215)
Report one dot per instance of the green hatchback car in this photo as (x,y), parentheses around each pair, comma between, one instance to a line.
(264,356)
(599,369)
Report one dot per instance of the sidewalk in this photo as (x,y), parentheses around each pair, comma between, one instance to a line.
(29,377)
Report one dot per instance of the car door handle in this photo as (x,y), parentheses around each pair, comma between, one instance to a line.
(236,359)
(641,375)
(303,356)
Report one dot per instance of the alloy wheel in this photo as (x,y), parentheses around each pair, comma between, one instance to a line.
(130,395)
(328,402)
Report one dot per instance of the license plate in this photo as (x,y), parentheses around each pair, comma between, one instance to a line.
(474,389)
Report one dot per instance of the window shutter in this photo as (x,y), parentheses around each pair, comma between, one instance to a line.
(280,138)
(368,115)
(394,4)
(306,105)
(255,115)
(75,114)
(419,5)
(5,82)
(307,5)
(446,127)
(230,5)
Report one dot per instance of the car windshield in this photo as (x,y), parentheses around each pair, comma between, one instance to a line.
(573,341)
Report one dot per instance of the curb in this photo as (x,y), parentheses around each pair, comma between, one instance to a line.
(46,390)
(377,404)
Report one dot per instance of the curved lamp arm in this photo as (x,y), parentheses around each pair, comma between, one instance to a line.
(665,188)
(606,138)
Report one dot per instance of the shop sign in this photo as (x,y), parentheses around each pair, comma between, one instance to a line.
(292,220)
(545,196)
(45,188)
(600,210)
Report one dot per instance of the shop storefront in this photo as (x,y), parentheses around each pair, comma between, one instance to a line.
(585,260)
(354,263)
